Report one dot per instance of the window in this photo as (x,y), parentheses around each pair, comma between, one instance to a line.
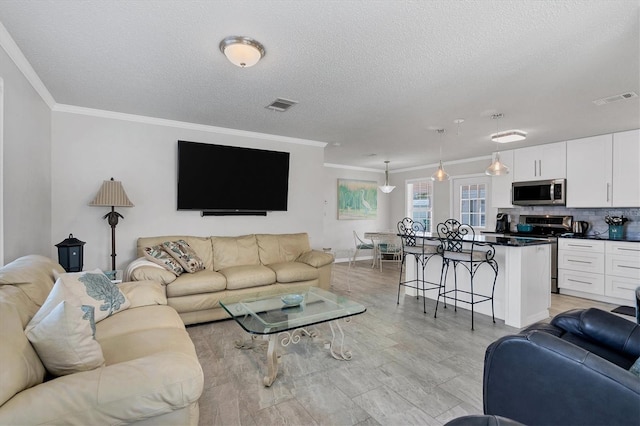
(420,202)
(473,204)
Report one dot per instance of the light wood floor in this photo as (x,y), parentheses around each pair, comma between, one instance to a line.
(407,368)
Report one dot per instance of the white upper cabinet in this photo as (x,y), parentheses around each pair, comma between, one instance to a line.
(603,171)
(540,162)
(501,185)
(626,169)
(589,162)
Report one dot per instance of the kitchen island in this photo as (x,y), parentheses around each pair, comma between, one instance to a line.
(523,286)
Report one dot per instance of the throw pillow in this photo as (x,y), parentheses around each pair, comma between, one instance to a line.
(91,288)
(157,255)
(65,339)
(635,368)
(184,254)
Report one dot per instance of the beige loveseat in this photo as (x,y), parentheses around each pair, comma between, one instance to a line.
(151,373)
(235,267)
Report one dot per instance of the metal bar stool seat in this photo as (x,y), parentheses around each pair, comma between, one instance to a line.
(459,248)
(414,245)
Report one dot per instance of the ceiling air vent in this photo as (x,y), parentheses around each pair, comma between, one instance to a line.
(615,98)
(281,104)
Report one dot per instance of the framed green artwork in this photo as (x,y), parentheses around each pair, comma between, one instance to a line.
(357,199)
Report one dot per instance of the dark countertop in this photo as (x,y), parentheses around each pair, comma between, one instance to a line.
(498,240)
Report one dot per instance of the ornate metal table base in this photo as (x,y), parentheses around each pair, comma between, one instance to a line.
(288,337)
(341,355)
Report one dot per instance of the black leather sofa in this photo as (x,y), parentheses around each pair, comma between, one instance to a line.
(572,371)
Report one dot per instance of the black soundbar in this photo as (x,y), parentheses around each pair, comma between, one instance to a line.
(233,213)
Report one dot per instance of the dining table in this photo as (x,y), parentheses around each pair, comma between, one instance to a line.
(376,237)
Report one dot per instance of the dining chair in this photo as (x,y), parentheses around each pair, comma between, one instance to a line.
(458,247)
(413,245)
(360,245)
(389,249)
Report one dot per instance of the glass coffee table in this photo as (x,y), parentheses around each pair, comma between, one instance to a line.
(286,316)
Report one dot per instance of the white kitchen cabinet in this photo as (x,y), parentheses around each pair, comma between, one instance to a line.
(581,265)
(589,163)
(501,185)
(607,271)
(583,282)
(622,269)
(540,162)
(602,171)
(626,172)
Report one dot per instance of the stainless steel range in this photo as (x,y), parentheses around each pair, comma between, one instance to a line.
(548,226)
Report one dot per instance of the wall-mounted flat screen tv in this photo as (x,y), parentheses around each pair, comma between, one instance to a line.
(219,178)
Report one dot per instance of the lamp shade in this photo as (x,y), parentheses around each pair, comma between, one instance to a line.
(386,188)
(440,175)
(111,194)
(497,168)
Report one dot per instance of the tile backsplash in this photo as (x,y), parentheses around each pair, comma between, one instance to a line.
(595,217)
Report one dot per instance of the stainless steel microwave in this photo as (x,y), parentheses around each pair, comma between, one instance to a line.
(539,192)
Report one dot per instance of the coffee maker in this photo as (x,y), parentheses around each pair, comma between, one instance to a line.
(502,223)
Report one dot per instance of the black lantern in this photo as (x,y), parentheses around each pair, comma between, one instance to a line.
(70,254)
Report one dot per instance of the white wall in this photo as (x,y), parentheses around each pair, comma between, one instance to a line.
(391,207)
(26,166)
(338,234)
(89,149)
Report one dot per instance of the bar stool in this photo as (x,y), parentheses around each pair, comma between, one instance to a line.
(458,246)
(410,233)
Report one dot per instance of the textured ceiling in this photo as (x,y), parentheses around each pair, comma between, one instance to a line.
(374,77)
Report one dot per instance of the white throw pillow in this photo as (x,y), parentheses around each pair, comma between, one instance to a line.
(64,340)
(91,288)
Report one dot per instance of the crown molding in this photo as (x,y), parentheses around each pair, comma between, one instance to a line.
(346,167)
(9,45)
(14,52)
(408,169)
(430,166)
(71,109)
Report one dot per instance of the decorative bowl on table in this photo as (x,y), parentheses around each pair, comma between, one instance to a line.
(292,299)
(525,227)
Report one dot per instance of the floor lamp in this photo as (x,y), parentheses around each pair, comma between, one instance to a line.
(111,194)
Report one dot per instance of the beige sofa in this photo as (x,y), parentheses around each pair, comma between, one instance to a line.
(235,267)
(151,374)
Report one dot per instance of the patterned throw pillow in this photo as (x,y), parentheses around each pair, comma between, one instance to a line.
(156,254)
(86,289)
(184,254)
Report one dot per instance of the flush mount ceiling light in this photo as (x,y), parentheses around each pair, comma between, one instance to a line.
(386,188)
(242,51)
(497,168)
(509,136)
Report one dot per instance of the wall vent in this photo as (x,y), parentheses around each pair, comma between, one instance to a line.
(281,105)
(615,98)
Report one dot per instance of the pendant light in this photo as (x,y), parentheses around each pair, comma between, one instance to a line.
(386,188)
(440,175)
(497,168)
